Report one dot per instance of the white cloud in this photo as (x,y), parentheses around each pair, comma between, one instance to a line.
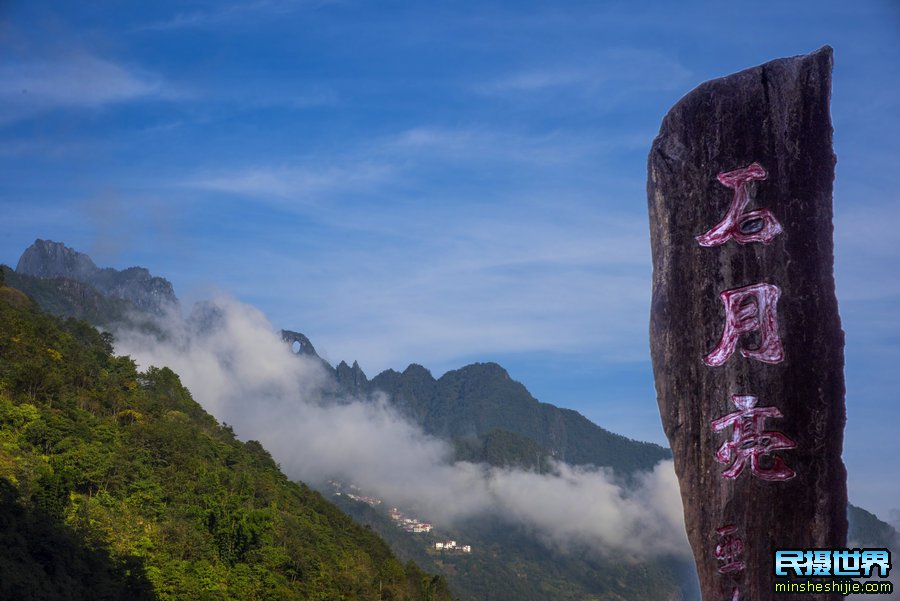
(409,157)
(417,256)
(372,166)
(294,182)
(243,374)
(388,285)
(612,76)
(486,144)
(527,279)
(237,12)
(530,81)
(77,80)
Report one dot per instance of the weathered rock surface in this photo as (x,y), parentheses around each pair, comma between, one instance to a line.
(48,259)
(304,346)
(776,115)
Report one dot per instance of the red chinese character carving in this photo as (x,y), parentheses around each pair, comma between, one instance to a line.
(759,225)
(748,441)
(729,550)
(749,309)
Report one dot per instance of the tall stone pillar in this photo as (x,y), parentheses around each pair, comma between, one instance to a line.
(745,335)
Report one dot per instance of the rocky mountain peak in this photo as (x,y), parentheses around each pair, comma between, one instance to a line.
(48,259)
(416,371)
(352,378)
(300,344)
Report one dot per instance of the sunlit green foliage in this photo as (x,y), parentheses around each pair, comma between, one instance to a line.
(116,484)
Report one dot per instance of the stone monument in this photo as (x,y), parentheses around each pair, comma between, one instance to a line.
(745,336)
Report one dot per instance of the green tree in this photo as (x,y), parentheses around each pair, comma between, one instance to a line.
(117,484)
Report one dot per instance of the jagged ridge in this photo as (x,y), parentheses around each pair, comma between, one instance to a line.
(481,398)
(47,259)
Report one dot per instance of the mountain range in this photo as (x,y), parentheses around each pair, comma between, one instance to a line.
(486,415)
(462,404)
(475,400)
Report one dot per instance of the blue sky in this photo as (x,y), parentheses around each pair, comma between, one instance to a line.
(437,183)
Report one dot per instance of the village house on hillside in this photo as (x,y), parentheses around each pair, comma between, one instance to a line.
(451,545)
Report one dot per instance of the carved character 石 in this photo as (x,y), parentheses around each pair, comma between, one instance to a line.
(758,225)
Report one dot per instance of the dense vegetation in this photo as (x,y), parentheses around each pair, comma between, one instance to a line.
(502,448)
(67,297)
(509,563)
(115,484)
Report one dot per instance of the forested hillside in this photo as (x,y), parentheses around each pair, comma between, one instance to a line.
(508,562)
(115,484)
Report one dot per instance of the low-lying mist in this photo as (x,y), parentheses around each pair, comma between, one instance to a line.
(236,365)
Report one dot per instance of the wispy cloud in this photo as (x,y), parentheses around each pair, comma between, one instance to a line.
(297,182)
(237,12)
(479,144)
(78,80)
(243,374)
(406,284)
(410,158)
(42,148)
(614,74)
(429,263)
(522,284)
(531,81)
(257,93)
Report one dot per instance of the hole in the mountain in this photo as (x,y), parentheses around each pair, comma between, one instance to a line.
(296,347)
